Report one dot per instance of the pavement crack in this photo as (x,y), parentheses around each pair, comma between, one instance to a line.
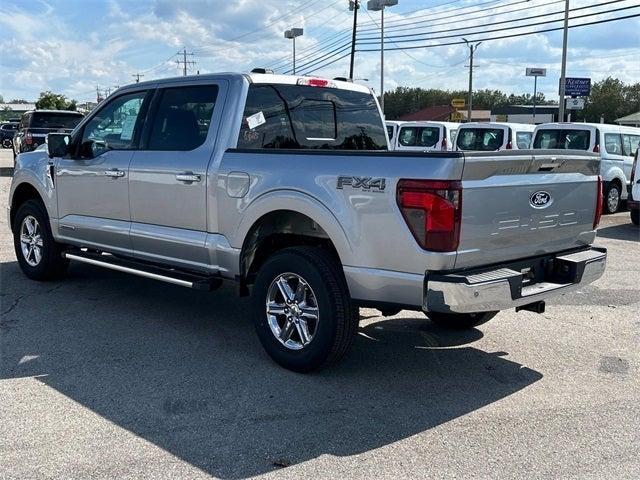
(15,303)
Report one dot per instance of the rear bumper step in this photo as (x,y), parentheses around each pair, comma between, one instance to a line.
(505,288)
(174,277)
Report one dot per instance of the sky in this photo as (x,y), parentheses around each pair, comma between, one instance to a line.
(72,46)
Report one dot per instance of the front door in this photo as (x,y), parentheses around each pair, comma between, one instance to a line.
(168,175)
(92,185)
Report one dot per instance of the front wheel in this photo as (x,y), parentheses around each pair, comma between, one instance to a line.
(612,198)
(460,321)
(7,143)
(302,309)
(39,256)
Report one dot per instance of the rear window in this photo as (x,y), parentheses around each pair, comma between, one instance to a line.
(419,136)
(523,140)
(305,117)
(54,120)
(630,144)
(563,139)
(480,139)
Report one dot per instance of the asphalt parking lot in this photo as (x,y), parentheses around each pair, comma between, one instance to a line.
(105,375)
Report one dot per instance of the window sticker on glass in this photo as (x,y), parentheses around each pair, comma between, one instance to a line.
(256,120)
(127,127)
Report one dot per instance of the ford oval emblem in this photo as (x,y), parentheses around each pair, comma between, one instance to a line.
(540,199)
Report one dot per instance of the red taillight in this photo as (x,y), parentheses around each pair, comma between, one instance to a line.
(432,210)
(596,149)
(444,144)
(28,138)
(509,146)
(599,200)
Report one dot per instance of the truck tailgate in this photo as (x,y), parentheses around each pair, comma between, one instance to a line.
(517,205)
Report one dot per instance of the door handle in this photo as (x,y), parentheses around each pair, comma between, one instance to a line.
(188,177)
(115,173)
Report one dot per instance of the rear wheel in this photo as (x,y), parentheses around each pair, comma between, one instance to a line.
(612,197)
(635,216)
(39,256)
(302,310)
(460,321)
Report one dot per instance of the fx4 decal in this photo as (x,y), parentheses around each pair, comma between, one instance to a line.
(367,184)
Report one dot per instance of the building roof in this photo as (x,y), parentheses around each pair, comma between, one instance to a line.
(438,112)
(633,118)
(18,107)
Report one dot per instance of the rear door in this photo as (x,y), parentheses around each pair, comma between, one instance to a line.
(168,176)
(516,206)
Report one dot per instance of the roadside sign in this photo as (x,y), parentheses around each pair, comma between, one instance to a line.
(458,103)
(536,72)
(501,118)
(577,87)
(575,103)
(457,117)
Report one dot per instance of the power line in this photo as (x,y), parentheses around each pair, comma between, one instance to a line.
(483,39)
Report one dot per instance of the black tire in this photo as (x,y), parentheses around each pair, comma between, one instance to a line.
(51,265)
(337,323)
(614,187)
(635,216)
(460,321)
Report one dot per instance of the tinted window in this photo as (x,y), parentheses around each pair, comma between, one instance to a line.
(480,139)
(523,140)
(613,143)
(419,136)
(630,144)
(115,125)
(390,132)
(9,126)
(562,139)
(302,117)
(54,120)
(183,117)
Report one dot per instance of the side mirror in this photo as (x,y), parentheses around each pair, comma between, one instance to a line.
(58,144)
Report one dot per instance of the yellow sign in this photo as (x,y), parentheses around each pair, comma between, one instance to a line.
(457,116)
(458,103)
(501,118)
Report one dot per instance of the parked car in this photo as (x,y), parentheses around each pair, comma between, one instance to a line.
(36,124)
(7,131)
(285,185)
(493,136)
(426,136)
(615,144)
(634,190)
(392,131)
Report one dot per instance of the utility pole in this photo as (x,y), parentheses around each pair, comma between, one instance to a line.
(184,61)
(354,5)
(137,76)
(472,50)
(563,73)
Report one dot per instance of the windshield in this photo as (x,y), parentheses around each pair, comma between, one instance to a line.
(419,136)
(55,120)
(480,139)
(562,139)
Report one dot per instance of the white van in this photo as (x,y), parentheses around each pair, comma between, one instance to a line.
(491,136)
(426,136)
(392,131)
(617,145)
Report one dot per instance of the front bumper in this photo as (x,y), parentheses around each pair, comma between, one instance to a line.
(513,285)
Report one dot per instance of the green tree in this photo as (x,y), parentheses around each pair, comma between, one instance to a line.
(54,101)
(19,100)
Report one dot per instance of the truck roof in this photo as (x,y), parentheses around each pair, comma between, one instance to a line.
(254,78)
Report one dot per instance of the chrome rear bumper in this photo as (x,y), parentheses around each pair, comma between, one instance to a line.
(504,288)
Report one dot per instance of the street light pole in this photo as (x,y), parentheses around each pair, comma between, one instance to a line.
(292,34)
(374,6)
(472,50)
(563,73)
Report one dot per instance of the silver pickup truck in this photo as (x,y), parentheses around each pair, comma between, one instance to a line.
(285,185)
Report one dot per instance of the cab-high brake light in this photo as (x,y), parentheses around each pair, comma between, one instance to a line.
(316,82)
(432,210)
(599,200)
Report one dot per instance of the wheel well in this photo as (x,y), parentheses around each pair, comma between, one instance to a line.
(275,231)
(23,192)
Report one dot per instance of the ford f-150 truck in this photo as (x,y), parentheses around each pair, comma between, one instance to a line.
(285,185)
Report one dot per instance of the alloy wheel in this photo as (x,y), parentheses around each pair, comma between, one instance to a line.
(31,242)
